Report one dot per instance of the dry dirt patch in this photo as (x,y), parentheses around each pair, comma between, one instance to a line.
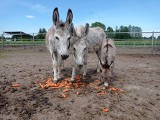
(137,74)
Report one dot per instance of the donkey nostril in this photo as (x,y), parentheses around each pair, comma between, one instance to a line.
(64,57)
(80,66)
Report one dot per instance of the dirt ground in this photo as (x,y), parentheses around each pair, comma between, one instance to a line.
(138,74)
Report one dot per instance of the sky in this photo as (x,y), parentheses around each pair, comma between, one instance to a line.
(31,15)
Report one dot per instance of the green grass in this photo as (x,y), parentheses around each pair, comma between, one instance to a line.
(127,42)
(23,42)
(137,43)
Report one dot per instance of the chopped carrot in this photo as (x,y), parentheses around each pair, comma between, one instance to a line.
(78,89)
(41,85)
(68,87)
(101,93)
(113,89)
(105,110)
(16,85)
(77,93)
(121,90)
(66,90)
(63,95)
(104,88)
(97,81)
(96,87)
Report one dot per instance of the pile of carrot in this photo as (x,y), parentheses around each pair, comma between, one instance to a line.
(66,86)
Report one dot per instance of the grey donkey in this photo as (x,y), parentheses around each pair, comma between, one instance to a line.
(106,61)
(88,40)
(58,41)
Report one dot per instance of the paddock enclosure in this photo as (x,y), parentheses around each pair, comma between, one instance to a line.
(135,92)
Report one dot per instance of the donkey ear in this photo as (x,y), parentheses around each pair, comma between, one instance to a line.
(55,16)
(72,30)
(86,29)
(69,17)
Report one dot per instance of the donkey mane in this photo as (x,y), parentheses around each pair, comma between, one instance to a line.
(108,45)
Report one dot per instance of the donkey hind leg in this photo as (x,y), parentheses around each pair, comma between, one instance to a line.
(98,67)
(112,68)
(98,62)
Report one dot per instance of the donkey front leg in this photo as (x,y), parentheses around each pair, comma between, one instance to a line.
(73,74)
(85,70)
(85,66)
(59,67)
(54,61)
(55,71)
(73,69)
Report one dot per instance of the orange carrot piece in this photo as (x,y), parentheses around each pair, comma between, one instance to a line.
(66,90)
(113,89)
(41,85)
(101,93)
(105,110)
(121,90)
(77,93)
(97,81)
(96,87)
(16,85)
(63,95)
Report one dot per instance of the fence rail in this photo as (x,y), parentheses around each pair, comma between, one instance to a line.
(35,41)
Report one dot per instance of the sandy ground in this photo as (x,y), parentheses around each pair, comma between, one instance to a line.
(138,74)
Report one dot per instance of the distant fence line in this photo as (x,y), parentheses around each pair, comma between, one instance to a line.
(34,41)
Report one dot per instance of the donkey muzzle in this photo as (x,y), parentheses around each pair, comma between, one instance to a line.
(106,66)
(64,57)
(80,66)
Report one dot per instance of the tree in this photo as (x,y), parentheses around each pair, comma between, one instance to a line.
(98,24)
(136,32)
(2,37)
(109,32)
(110,29)
(122,35)
(41,34)
(158,38)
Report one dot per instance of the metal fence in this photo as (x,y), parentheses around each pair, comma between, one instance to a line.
(143,39)
(146,39)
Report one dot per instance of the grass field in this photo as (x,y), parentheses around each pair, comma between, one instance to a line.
(127,42)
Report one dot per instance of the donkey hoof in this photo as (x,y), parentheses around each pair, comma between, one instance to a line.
(106,84)
(59,78)
(72,80)
(55,81)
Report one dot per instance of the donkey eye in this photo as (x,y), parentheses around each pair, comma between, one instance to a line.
(74,49)
(84,48)
(57,38)
(69,38)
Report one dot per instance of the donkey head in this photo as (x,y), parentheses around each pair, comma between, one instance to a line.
(81,46)
(106,56)
(63,33)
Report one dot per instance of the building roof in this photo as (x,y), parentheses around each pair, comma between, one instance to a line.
(16,33)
